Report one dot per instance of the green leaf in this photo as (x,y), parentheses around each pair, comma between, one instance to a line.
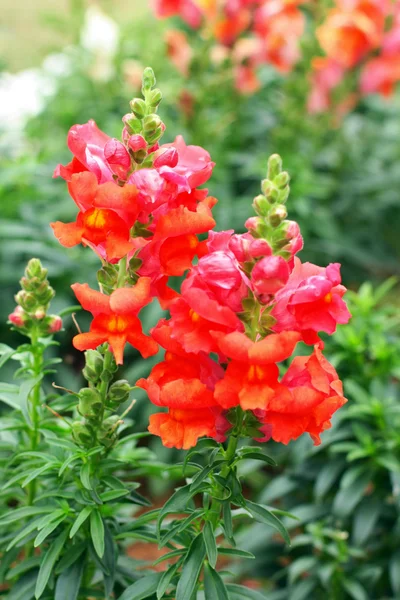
(236,552)
(201,476)
(9,395)
(177,503)
(351,491)
(48,562)
(261,514)
(303,590)
(166,580)
(36,472)
(85,476)
(24,589)
(300,566)
(113,495)
(239,592)
(327,476)
(394,572)
(23,567)
(210,543)
(227,522)
(81,518)
(143,588)
(365,519)
(69,582)
(254,454)
(67,462)
(97,532)
(46,531)
(73,553)
(24,532)
(137,498)
(26,511)
(214,587)
(355,590)
(191,569)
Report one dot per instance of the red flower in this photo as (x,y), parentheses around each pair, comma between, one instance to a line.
(316,393)
(311,301)
(251,378)
(115,319)
(182,428)
(269,275)
(106,214)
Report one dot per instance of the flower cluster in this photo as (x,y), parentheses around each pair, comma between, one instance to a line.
(244,305)
(360,37)
(361,34)
(249,32)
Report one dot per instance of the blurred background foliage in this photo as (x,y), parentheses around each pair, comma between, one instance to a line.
(345,196)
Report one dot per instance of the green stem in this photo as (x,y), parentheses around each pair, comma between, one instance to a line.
(121,273)
(34,400)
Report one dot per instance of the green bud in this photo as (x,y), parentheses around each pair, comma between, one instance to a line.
(27,300)
(138,107)
(151,123)
(119,391)
(82,433)
(107,276)
(270,191)
(274,166)
(261,205)
(90,403)
(284,194)
(133,124)
(94,360)
(277,215)
(155,97)
(34,269)
(282,180)
(149,80)
(139,156)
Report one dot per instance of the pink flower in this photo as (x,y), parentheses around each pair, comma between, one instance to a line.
(166,157)
(137,142)
(311,301)
(178,50)
(86,143)
(55,324)
(187,9)
(117,158)
(380,74)
(269,275)
(17,317)
(194,166)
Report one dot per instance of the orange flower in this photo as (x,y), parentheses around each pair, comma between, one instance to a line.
(352,30)
(178,50)
(115,319)
(106,213)
(251,378)
(316,393)
(184,384)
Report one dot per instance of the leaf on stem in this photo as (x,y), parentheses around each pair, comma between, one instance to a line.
(191,569)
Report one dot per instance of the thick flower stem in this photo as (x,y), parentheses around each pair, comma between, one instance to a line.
(34,400)
(122,272)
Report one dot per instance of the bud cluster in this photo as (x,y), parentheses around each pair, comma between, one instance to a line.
(33,302)
(143,127)
(270,207)
(94,401)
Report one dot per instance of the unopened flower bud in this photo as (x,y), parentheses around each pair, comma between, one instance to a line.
(153,136)
(119,391)
(277,215)
(253,223)
(149,80)
(138,107)
(152,122)
(94,361)
(34,269)
(261,205)
(282,180)
(137,142)
(90,402)
(132,124)
(26,299)
(155,98)
(274,166)
(18,317)
(82,433)
(270,191)
(39,314)
(55,324)
(168,157)
(139,156)
(269,275)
